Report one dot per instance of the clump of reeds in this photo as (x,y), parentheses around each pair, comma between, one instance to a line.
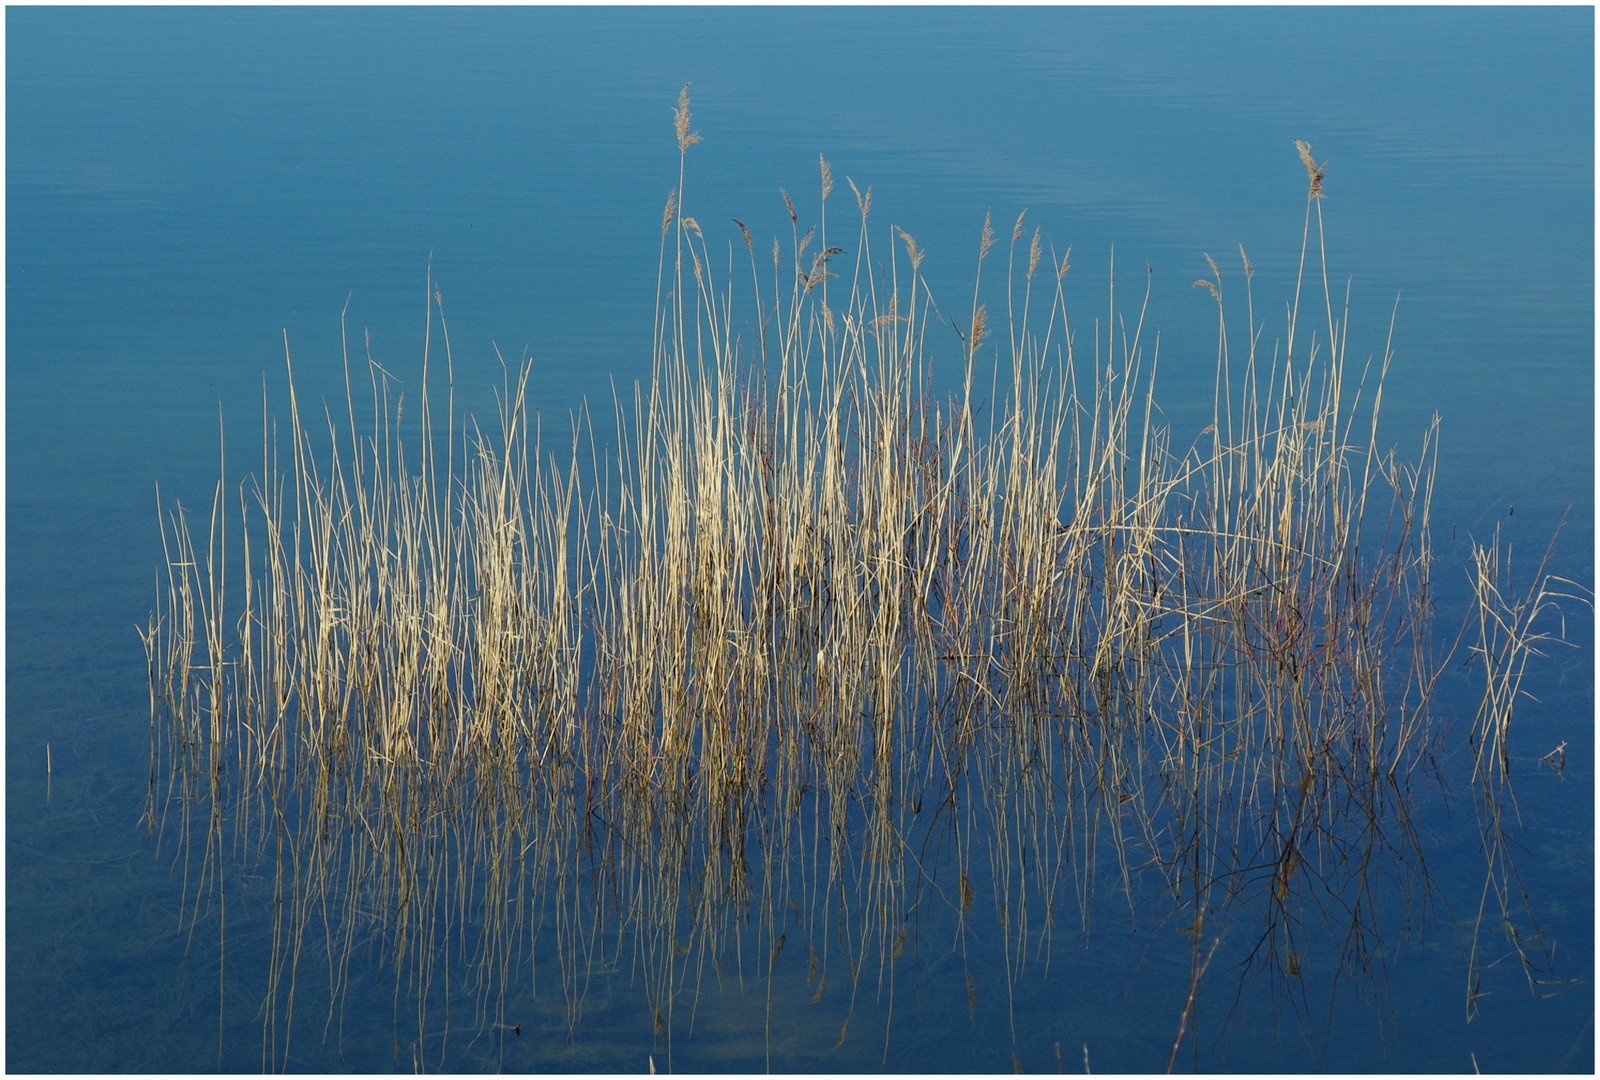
(1506,631)
(811,645)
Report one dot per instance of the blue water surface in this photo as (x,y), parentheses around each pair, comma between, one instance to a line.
(188,190)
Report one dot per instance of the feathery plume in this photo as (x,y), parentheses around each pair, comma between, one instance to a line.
(819,268)
(912,251)
(1313,170)
(863,201)
(680,119)
(887,320)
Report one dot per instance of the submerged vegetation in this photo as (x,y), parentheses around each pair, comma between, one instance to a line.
(818,658)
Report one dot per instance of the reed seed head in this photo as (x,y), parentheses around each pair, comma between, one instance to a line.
(671,208)
(912,251)
(862,201)
(1034,252)
(827,178)
(819,267)
(1313,170)
(745,232)
(680,120)
(1249,271)
(988,237)
(793,217)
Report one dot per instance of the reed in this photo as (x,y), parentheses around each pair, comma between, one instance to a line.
(1509,630)
(810,651)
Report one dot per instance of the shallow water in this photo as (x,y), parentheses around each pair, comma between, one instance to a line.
(185,188)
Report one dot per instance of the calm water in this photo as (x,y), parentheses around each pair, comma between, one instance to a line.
(185,187)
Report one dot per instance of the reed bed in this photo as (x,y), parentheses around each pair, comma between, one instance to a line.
(813,651)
